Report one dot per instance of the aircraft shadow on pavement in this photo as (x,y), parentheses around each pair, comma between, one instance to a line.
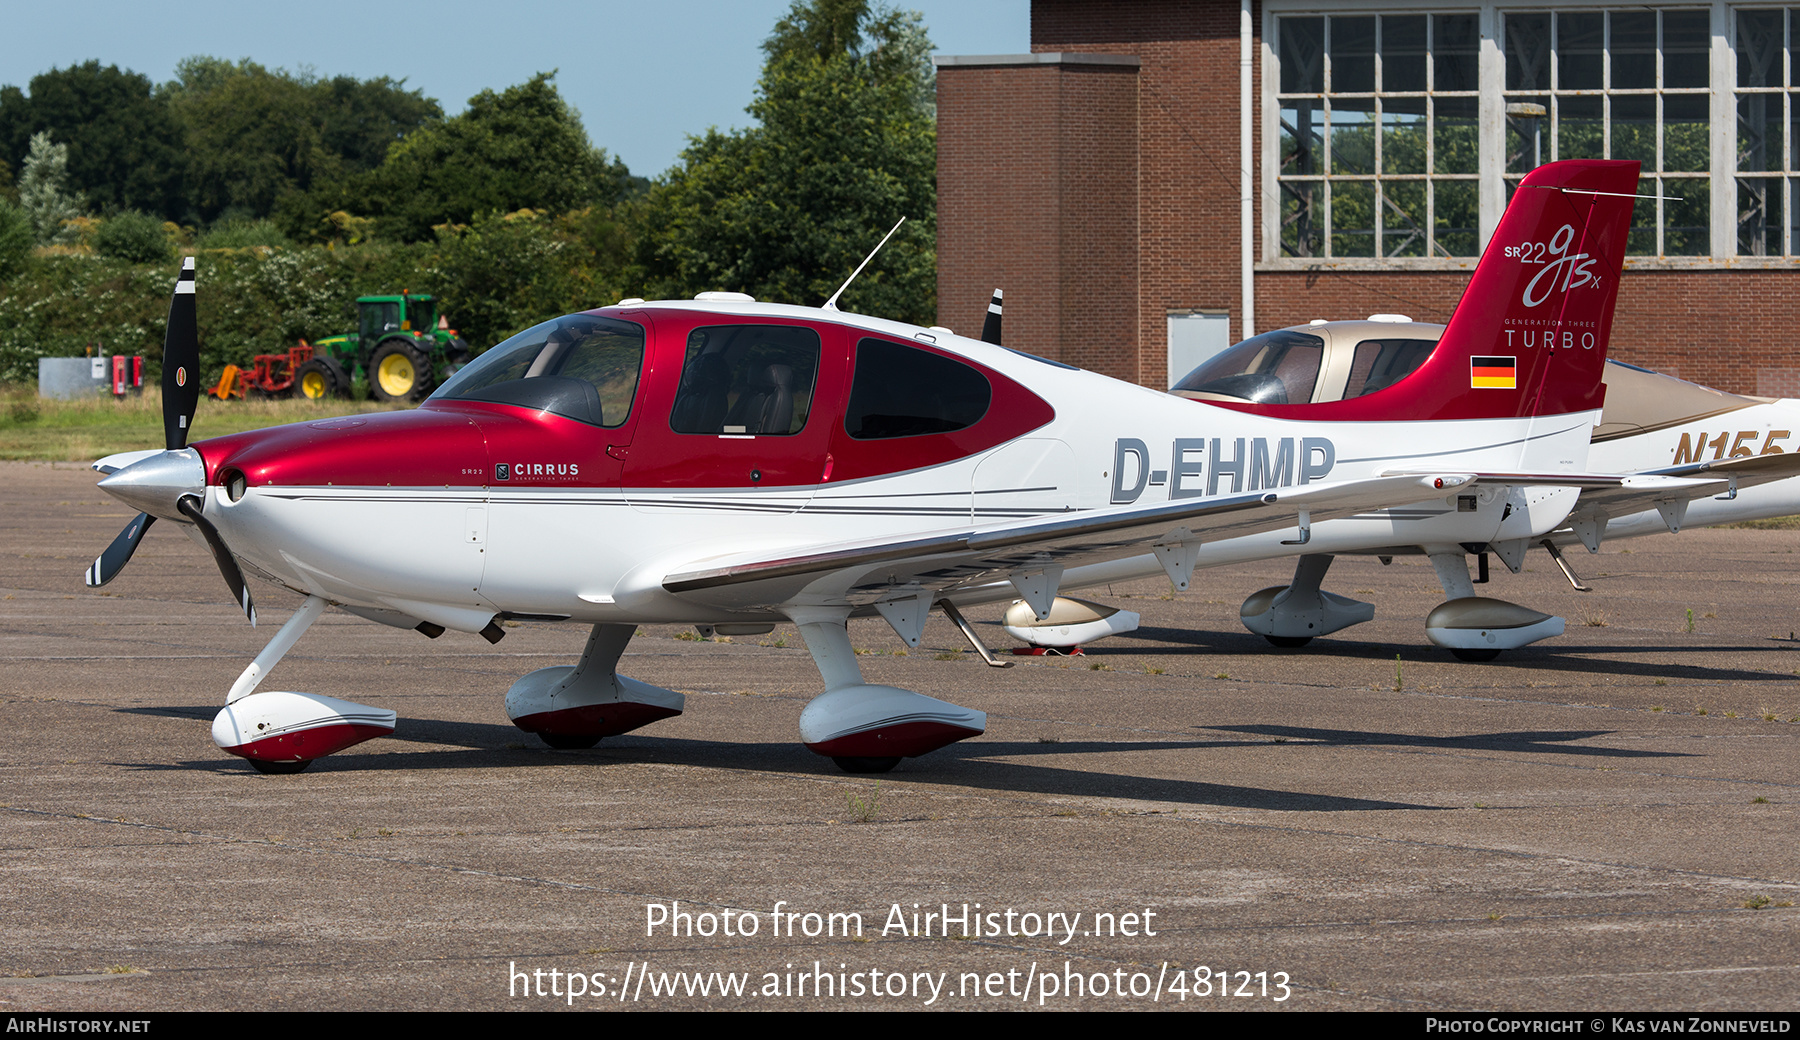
(1576,660)
(1553,742)
(980,765)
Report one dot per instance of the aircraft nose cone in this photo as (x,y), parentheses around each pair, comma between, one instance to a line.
(153,485)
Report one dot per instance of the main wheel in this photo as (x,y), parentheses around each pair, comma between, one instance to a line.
(321,378)
(1465,654)
(865,765)
(399,371)
(280,768)
(1289,642)
(570,741)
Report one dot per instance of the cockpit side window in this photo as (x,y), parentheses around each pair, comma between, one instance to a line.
(583,367)
(1278,367)
(901,391)
(754,380)
(1380,363)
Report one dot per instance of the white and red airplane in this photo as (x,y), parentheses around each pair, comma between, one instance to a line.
(728,463)
(1745,452)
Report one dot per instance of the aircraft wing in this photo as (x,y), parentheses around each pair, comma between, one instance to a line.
(862,573)
(1744,471)
(1666,493)
(1669,491)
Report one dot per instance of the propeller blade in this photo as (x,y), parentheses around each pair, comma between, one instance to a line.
(181,361)
(108,564)
(990,329)
(190,506)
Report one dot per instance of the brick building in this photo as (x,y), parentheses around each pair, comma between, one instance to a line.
(1165,177)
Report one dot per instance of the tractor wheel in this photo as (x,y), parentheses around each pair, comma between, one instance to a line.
(321,378)
(399,371)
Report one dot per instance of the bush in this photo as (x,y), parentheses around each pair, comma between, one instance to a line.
(135,237)
(16,238)
(242,234)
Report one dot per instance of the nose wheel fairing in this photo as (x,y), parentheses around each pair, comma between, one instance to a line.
(284,726)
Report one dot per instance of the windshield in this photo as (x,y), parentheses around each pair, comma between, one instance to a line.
(581,366)
(1273,368)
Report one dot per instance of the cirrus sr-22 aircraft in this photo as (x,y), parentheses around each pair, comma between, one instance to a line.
(738,464)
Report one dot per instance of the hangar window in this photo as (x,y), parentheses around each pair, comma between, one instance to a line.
(1768,132)
(1379,135)
(1629,84)
(1380,144)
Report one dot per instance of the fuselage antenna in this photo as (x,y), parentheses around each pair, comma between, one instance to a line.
(831,304)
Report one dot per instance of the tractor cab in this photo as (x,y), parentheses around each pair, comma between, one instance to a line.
(401,348)
(382,315)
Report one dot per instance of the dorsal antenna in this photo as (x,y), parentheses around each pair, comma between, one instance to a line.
(831,304)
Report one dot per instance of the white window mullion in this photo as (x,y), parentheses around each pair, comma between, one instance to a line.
(1722,136)
(1490,71)
(1271,141)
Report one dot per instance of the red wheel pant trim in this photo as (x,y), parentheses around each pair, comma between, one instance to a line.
(907,740)
(602,720)
(308,744)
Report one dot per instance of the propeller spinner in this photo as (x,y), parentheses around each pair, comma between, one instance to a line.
(169,483)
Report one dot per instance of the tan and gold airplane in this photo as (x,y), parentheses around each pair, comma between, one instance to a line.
(1745,449)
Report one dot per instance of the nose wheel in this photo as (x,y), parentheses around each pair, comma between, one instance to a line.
(280,768)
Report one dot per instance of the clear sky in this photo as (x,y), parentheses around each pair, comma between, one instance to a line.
(644,75)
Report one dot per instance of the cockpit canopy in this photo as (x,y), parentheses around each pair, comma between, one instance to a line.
(1308,364)
(581,366)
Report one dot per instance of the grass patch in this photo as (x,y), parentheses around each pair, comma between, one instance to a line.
(864,810)
(38,429)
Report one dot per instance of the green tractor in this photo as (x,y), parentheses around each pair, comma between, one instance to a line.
(401,349)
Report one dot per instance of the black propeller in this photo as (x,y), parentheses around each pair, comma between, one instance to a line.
(181,395)
(181,361)
(990,329)
(108,564)
(190,508)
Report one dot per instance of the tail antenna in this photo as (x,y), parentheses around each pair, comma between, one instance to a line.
(831,304)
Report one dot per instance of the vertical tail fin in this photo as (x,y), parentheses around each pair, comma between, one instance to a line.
(1529,335)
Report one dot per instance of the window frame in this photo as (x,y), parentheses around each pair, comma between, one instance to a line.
(1721,134)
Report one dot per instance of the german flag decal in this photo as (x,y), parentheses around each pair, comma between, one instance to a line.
(1494,373)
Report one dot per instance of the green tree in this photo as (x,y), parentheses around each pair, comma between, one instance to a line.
(523,148)
(259,139)
(251,136)
(17,236)
(124,144)
(43,190)
(845,146)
